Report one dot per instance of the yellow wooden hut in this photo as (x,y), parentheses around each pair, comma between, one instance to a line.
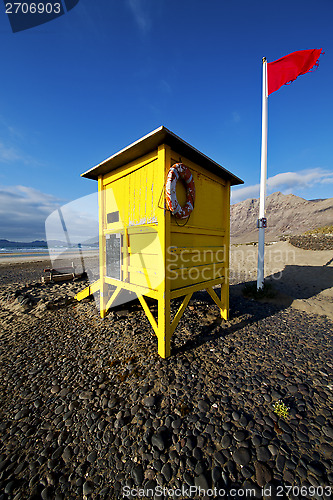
(145,246)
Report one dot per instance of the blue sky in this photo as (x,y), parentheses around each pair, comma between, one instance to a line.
(85,85)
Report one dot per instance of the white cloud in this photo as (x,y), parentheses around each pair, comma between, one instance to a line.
(23,211)
(286,182)
(26,212)
(140,12)
(9,154)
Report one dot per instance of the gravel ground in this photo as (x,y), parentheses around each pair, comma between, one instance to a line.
(22,272)
(88,408)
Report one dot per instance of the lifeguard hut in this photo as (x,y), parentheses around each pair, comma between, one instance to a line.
(160,238)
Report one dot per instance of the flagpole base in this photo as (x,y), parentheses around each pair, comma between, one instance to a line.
(261,250)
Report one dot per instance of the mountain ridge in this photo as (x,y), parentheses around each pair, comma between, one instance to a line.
(287,215)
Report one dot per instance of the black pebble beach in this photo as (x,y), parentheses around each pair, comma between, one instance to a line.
(88,408)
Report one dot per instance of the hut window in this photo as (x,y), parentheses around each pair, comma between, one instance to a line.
(113,256)
(112,217)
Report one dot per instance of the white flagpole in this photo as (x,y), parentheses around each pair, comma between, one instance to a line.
(263,175)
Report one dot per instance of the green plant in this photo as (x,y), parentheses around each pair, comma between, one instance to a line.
(281,409)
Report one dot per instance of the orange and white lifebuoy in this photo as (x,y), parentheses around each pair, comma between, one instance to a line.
(180,171)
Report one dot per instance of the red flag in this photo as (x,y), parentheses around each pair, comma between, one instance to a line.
(288,68)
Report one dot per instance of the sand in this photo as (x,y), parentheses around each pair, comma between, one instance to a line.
(303,278)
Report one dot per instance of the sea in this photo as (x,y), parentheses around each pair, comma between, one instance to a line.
(14,252)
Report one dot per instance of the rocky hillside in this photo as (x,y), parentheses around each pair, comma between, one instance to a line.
(286,215)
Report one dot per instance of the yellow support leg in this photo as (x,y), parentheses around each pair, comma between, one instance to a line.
(102,257)
(223,303)
(148,313)
(164,327)
(180,313)
(89,290)
(112,298)
(225,300)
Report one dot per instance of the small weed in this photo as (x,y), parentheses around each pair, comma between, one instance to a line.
(281,409)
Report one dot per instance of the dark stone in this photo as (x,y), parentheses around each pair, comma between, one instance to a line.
(273,449)
(326,450)
(166,471)
(47,493)
(313,480)
(243,421)
(301,471)
(284,426)
(149,401)
(201,482)
(92,457)
(176,423)
(219,458)
(137,474)
(289,477)
(67,454)
(231,467)
(302,437)
(157,464)
(209,429)
(203,406)
(188,479)
(263,454)
(158,441)
(276,395)
(268,434)
(240,436)
(197,453)
(315,469)
(199,468)
(256,440)
(290,464)
(57,453)
(226,441)
(21,414)
(216,474)
(242,456)
(248,487)
(9,487)
(263,473)
(87,488)
(287,438)
(328,431)
(246,472)
(269,421)
(200,441)
(149,487)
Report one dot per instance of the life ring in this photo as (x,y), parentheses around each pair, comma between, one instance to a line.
(180,171)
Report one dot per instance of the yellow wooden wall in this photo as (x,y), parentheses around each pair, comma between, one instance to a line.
(198,249)
(135,192)
(199,246)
